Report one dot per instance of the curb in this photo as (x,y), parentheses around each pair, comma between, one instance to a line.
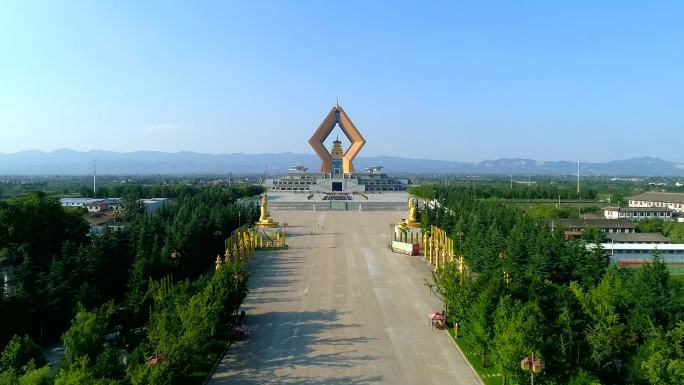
(218,360)
(477,375)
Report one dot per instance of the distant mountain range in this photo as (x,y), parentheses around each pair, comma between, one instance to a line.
(70,162)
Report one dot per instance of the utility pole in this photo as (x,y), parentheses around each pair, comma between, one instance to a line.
(94,174)
(578,177)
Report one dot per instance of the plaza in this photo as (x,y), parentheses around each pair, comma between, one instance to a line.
(338,307)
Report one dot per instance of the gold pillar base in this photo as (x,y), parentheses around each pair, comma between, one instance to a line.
(268,224)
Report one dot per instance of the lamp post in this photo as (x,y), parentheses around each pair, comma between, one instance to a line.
(237,278)
(533,365)
(239,218)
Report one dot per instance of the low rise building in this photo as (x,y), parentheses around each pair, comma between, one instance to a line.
(673,201)
(97,206)
(638,213)
(92,204)
(576,226)
(152,205)
(108,226)
(628,254)
(113,203)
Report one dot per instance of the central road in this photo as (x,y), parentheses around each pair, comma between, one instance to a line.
(338,307)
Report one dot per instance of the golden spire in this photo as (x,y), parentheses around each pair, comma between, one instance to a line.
(337,150)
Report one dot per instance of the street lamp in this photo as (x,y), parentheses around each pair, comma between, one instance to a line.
(239,218)
(533,365)
(237,278)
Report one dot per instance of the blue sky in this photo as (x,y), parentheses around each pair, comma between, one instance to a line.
(451,80)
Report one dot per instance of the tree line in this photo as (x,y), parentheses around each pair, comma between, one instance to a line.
(527,290)
(148,283)
(489,191)
(166,191)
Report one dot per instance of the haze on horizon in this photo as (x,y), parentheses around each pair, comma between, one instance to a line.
(466,81)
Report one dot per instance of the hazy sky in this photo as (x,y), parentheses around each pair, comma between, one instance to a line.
(590,80)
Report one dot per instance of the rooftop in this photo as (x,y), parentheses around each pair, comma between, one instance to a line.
(659,197)
(79,200)
(638,237)
(641,246)
(152,200)
(639,209)
(595,223)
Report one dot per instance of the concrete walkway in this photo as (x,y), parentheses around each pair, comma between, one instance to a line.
(339,308)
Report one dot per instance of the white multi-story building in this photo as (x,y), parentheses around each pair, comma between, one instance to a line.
(672,201)
(637,213)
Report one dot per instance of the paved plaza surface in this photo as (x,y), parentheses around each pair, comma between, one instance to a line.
(338,307)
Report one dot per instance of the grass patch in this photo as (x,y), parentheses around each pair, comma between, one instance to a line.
(201,371)
(676,270)
(677,278)
(489,375)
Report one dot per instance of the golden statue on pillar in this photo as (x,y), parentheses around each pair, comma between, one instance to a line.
(265,218)
(219,262)
(411,215)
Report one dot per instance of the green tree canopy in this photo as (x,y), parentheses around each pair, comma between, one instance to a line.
(85,337)
(20,352)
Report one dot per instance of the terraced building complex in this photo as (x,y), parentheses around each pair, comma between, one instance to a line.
(337,173)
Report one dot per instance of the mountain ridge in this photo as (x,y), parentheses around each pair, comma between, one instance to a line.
(65,161)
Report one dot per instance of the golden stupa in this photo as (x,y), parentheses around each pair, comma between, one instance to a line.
(265,221)
(337,151)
